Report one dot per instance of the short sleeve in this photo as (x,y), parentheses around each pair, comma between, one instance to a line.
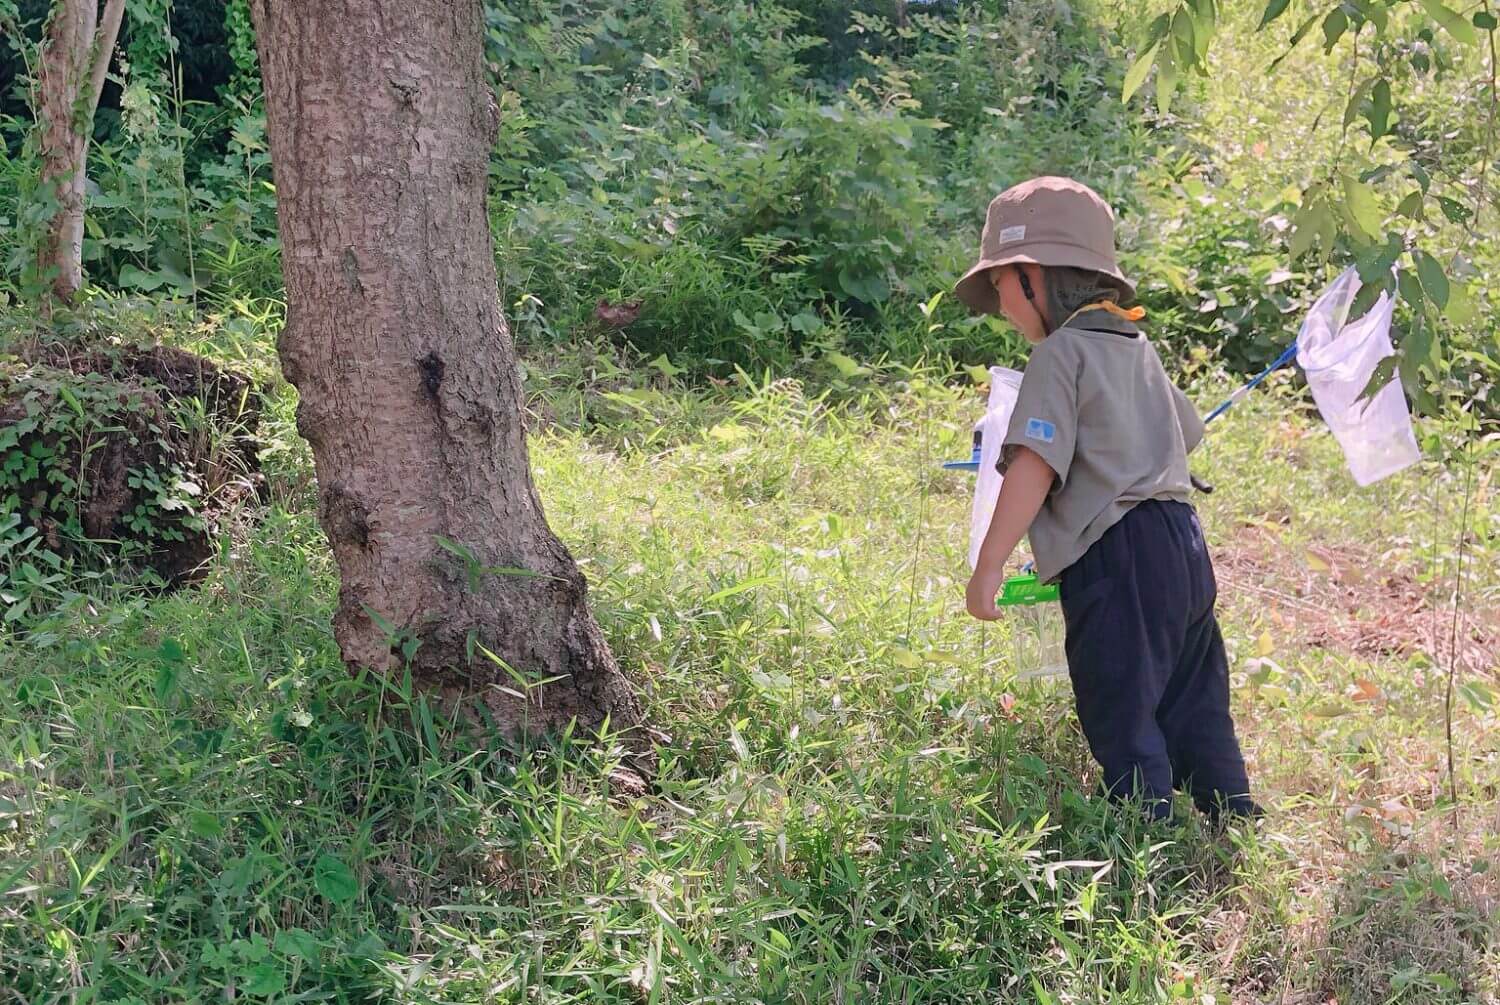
(1045,419)
(1188,419)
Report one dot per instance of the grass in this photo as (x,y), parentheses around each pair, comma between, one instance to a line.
(858,800)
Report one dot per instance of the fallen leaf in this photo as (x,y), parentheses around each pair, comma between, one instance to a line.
(1366,690)
(1316,564)
(1265,645)
(1393,809)
(617,315)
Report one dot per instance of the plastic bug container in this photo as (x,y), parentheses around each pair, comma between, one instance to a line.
(1036,627)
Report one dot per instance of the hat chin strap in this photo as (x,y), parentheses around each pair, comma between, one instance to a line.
(1030,296)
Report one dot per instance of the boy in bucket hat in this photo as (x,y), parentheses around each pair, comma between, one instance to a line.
(1095,464)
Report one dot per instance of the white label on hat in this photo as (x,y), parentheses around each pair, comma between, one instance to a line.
(1011,234)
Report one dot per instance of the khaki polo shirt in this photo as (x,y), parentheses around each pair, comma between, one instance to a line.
(1097,406)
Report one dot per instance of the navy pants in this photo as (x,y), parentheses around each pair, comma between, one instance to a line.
(1149,673)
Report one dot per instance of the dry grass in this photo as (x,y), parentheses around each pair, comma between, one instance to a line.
(1348,598)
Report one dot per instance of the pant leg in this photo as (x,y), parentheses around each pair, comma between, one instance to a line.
(1195,719)
(1120,661)
(1194,713)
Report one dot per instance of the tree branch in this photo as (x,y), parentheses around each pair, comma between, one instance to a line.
(104,47)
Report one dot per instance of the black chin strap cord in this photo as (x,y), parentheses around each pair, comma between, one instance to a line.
(1030,296)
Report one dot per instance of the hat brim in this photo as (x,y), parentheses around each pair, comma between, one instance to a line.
(978,293)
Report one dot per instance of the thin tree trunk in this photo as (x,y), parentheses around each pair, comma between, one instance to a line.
(380,124)
(104,46)
(76,50)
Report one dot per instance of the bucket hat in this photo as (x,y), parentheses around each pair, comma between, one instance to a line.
(1044,221)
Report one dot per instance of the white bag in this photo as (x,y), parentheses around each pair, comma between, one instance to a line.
(1004,386)
(1338,358)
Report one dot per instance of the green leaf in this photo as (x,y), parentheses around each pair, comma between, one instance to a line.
(1379,114)
(1418,349)
(265,981)
(1305,230)
(367,947)
(1274,10)
(1183,30)
(1157,31)
(1166,80)
(1455,211)
(1369,295)
(1375,264)
(805,322)
(177,277)
(1451,21)
(1385,372)
(1434,280)
(1411,206)
(1205,22)
(1334,26)
(1366,11)
(870,289)
(334,879)
(666,366)
(1477,696)
(741,587)
(1136,76)
(296,943)
(144,281)
(1485,21)
(204,824)
(1411,290)
(168,675)
(1357,102)
(904,657)
(846,366)
(1302,31)
(1363,208)
(66,393)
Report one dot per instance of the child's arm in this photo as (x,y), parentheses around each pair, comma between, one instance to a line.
(1028,479)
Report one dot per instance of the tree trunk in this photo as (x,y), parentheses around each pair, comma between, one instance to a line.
(76,49)
(381,123)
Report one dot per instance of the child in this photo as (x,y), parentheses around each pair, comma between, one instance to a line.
(1095,465)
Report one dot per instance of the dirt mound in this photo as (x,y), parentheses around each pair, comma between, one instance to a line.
(126,455)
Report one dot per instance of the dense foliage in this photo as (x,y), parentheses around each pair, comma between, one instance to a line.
(771,183)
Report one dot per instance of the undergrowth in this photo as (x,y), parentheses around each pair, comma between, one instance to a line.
(857,798)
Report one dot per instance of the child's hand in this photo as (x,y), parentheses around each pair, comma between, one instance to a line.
(1026,484)
(984,585)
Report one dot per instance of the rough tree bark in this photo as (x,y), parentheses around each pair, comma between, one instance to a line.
(74,60)
(381,124)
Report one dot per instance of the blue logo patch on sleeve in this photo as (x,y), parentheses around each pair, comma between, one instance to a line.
(1040,430)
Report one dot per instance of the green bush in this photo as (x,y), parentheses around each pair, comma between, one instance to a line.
(770,182)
